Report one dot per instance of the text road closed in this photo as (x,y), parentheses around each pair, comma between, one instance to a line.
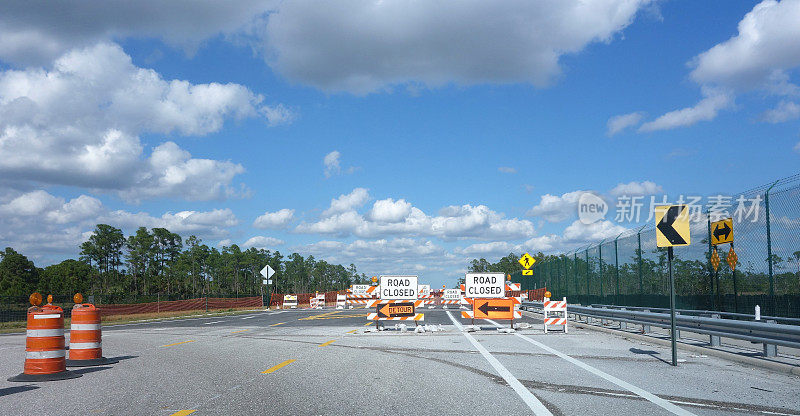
(484,285)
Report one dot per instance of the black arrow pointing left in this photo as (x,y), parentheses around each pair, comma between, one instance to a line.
(667,222)
(485,308)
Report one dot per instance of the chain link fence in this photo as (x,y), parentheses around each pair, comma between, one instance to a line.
(631,270)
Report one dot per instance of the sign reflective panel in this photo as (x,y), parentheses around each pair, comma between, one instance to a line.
(484,285)
(722,232)
(360,289)
(493,308)
(395,310)
(424,290)
(452,294)
(398,287)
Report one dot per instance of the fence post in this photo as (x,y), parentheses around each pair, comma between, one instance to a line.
(560,283)
(616,267)
(769,252)
(566,279)
(587,276)
(575,272)
(639,262)
(600,262)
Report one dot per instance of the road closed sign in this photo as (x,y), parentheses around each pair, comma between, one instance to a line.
(360,289)
(484,285)
(398,287)
(452,294)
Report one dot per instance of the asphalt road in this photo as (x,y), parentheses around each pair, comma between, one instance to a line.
(314,362)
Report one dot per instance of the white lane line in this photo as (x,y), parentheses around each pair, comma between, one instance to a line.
(624,384)
(248,317)
(533,403)
(209,323)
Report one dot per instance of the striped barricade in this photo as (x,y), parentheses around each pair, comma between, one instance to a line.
(289,301)
(471,314)
(341,301)
(555,307)
(317,302)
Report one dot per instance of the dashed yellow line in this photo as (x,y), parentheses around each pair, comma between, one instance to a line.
(179,343)
(278,367)
(183,412)
(325,344)
(368,323)
(280,323)
(351,332)
(236,332)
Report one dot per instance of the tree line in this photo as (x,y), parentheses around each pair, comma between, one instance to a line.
(160,262)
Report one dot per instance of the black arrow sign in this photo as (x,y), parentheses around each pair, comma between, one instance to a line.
(720,231)
(485,308)
(665,225)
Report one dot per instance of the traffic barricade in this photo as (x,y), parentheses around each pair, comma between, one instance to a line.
(555,313)
(289,301)
(85,336)
(45,355)
(395,310)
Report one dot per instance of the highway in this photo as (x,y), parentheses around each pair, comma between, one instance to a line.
(314,362)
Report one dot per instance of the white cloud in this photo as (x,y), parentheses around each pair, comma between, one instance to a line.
(262,242)
(619,123)
(35,33)
(209,224)
(389,210)
(362,46)
(797,147)
(507,169)
(636,188)
(768,42)
(78,124)
(707,109)
(580,233)
(553,208)
(389,217)
(331,162)
(785,111)
(346,202)
(276,220)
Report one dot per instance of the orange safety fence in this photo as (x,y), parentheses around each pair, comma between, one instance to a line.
(181,305)
(537,294)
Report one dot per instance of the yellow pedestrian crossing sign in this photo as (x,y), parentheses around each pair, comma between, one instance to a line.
(672,225)
(527,272)
(527,261)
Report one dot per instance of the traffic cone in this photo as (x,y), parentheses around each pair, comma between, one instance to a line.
(85,338)
(45,356)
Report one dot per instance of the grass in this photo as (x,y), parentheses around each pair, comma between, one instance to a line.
(19,326)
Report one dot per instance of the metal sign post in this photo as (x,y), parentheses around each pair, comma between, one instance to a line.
(672,229)
(672,309)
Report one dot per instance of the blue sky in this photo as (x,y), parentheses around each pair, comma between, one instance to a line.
(451,130)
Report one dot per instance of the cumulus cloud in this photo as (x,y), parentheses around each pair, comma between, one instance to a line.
(40,223)
(619,123)
(554,208)
(390,217)
(785,111)
(276,220)
(636,188)
(507,169)
(363,46)
(707,109)
(759,57)
(262,242)
(346,202)
(78,123)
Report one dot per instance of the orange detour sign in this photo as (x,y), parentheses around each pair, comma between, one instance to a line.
(395,310)
(85,338)
(45,356)
(493,309)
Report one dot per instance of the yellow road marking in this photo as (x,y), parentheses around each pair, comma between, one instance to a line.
(280,323)
(236,332)
(350,332)
(278,367)
(317,316)
(327,343)
(368,323)
(179,343)
(183,412)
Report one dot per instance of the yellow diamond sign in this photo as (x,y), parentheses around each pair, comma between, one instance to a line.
(527,261)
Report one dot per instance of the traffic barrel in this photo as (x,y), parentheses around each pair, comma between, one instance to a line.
(85,338)
(45,356)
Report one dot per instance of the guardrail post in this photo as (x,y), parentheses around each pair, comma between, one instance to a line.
(713,340)
(646,328)
(677,331)
(623,326)
(770,350)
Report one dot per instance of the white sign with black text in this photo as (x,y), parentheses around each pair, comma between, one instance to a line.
(452,294)
(485,285)
(395,287)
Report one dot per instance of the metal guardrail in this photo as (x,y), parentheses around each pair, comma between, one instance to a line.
(732,315)
(768,333)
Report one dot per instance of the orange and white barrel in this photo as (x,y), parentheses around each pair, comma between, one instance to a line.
(45,356)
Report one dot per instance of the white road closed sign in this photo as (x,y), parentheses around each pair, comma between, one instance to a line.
(398,287)
(360,289)
(452,294)
(485,285)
